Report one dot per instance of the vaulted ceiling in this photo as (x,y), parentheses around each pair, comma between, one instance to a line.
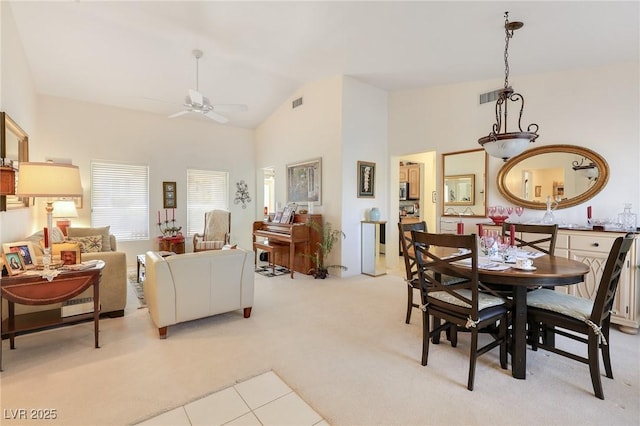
(137,55)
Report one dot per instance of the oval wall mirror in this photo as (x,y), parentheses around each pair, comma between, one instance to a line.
(569,174)
(464,179)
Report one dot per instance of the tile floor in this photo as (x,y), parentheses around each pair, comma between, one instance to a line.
(261,400)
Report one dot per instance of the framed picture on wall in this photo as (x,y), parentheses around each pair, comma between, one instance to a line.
(169,195)
(304,182)
(366,179)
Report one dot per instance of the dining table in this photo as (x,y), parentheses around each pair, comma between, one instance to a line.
(547,271)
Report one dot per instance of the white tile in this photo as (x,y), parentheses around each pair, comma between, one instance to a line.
(248,419)
(262,389)
(217,409)
(175,417)
(288,410)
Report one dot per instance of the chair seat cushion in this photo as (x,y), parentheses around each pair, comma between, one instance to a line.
(484,300)
(565,304)
(210,245)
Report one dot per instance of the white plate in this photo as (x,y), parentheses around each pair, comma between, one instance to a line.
(533,268)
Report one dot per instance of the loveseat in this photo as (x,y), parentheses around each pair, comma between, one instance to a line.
(190,286)
(113,283)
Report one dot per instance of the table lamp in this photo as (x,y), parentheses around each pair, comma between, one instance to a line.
(49,180)
(64,210)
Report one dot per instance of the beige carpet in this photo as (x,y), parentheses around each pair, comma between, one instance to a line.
(341,344)
(137,287)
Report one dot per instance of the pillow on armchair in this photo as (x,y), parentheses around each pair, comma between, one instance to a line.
(89,232)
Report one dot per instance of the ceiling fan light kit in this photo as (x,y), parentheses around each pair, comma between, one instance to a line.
(500,143)
(198,103)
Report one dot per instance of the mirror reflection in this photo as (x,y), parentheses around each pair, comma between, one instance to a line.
(14,149)
(568,174)
(464,182)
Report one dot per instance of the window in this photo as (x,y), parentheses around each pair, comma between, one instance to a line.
(120,199)
(206,190)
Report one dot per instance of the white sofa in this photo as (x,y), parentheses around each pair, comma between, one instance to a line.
(189,286)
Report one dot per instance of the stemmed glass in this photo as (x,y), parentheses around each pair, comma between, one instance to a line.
(510,210)
(519,210)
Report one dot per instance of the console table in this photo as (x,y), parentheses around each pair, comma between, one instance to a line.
(173,244)
(28,289)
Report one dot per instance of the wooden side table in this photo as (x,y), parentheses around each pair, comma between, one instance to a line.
(174,244)
(35,290)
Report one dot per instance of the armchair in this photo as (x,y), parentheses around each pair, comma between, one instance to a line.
(217,231)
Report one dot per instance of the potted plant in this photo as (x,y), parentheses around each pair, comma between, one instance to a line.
(329,237)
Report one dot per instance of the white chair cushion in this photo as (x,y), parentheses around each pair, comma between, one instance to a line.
(484,300)
(565,304)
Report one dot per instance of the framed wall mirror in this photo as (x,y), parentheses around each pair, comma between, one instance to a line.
(14,149)
(464,183)
(569,174)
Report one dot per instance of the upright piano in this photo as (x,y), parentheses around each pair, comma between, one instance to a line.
(289,244)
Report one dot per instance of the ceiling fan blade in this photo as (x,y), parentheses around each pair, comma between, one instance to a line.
(178,114)
(217,117)
(196,97)
(231,107)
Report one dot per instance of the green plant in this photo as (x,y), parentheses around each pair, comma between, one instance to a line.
(329,237)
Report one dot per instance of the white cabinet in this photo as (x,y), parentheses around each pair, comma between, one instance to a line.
(372,250)
(592,248)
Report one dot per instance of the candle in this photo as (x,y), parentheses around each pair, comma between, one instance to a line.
(173,214)
(589,212)
(480,230)
(166,216)
(158,216)
(460,228)
(512,235)
(46,237)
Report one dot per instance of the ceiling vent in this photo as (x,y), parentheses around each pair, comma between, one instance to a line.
(296,103)
(490,96)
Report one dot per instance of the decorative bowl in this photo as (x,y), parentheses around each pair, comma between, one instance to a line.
(498,220)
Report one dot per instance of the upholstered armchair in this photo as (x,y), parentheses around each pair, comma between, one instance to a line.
(217,231)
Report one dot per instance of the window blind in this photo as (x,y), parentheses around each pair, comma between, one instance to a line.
(206,190)
(120,199)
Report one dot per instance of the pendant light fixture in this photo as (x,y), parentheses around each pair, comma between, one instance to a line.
(500,142)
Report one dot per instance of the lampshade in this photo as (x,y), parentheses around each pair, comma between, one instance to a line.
(49,180)
(505,147)
(65,209)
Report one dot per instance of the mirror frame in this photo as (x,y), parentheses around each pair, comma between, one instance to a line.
(8,125)
(598,160)
(480,183)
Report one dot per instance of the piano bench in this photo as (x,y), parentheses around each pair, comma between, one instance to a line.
(271,249)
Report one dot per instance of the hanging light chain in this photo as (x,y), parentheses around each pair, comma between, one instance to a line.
(507,35)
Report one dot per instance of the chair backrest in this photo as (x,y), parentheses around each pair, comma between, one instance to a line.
(406,242)
(546,243)
(217,225)
(439,256)
(603,302)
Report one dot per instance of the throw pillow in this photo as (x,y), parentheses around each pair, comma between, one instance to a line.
(88,232)
(90,244)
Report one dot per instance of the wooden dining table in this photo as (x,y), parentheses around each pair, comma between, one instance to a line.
(550,271)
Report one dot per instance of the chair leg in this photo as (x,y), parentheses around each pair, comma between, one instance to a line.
(606,355)
(425,336)
(452,335)
(594,364)
(473,353)
(503,344)
(435,339)
(409,304)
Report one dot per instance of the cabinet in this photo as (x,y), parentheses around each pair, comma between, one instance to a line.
(411,173)
(592,248)
(372,251)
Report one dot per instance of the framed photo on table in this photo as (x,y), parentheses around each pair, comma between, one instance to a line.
(366,179)
(169,195)
(25,248)
(13,262)
(70,256)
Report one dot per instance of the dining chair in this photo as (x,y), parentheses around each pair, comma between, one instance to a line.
(411,269)
(460,304)
(583,320)
(542,238)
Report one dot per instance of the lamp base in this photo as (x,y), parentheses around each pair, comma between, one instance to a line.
(63,225)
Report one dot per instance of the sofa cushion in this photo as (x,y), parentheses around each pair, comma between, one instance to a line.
(89,244)
(87,232)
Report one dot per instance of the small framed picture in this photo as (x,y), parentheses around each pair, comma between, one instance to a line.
(288,213)
(13,262)
(169,195)
(366,179)
(538,190)
(278,216)
(70,257)
(25,248)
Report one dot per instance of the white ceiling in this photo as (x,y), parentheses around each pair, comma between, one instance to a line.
(137,55)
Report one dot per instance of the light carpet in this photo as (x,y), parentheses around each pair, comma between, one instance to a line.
(341,344)
(132,277)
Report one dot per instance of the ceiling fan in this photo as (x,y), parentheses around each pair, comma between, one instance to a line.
(198,103)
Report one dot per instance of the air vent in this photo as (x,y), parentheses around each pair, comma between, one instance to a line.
(296,103)
(489,96)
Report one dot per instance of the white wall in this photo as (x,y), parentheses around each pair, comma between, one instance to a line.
(596,108)
(18,100)
(83,132)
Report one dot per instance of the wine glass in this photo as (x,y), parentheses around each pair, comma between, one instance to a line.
(510,210)
(519,210)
